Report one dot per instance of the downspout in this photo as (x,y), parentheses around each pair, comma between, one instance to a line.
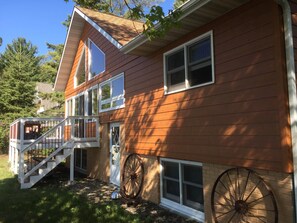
(290,63)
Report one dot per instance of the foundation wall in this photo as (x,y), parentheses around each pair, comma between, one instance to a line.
(280,184)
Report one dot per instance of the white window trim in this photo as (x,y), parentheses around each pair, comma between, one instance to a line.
(90,60)
(75,76)
(112,99)
(178,207)
(184,46)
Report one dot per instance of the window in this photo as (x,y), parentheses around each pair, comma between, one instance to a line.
(182,187)
(93,101)
(190,65)
(80,76)
(96,60)
(112,94)
(79,105)
(80,159)
(69,107)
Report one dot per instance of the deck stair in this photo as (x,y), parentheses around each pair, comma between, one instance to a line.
(34,158)
(47,165)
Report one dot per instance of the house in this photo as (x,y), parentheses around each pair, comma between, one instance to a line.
(44,104)
(209,108)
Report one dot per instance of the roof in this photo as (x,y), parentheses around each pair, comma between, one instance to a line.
(195,13)
(119,31)
(44,87)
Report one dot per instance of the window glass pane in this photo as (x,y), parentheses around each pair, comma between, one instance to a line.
(97,60)
(171,190)
(84,159)
(77,157)
(175,60)
(105,91)
(200,75)
(69,107)
(118,87)
(193,197)
(192,174)
(81,71)
(200,51)
(105,106)
(171,170)
(94,102)
(177,77)
(89,102)
(117,103)
(200,69)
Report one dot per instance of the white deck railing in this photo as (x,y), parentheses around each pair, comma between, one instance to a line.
(34,139)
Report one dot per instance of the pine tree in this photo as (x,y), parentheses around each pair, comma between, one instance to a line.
(17,88)
(50,63)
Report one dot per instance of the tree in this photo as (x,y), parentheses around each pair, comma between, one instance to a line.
(50,63)
(146,10)
(178,3)
(17,88)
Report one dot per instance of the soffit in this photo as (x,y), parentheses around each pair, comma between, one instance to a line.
(196,13)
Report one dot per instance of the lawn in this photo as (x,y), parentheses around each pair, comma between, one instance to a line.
(51,203)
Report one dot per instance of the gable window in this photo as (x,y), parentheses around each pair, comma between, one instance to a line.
(80,76)
(96,60)
(189,66)
(182,187)
(112,94)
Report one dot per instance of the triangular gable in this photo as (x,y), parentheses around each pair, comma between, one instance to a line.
(117,30)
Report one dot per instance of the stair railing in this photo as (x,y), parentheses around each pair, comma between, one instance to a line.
(74,129)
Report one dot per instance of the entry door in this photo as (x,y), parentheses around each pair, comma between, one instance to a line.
(115,171)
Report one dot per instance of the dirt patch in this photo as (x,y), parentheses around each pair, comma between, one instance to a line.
(100,192)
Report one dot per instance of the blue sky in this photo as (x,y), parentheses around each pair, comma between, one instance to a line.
(39,21)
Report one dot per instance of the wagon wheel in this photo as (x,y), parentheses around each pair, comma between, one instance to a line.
(241,195)
(132,176)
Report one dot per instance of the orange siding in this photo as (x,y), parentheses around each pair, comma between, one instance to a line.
(240,120)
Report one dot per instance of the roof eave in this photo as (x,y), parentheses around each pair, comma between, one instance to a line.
(204,10)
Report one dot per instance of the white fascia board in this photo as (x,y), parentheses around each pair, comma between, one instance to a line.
(62,58)
(97,27)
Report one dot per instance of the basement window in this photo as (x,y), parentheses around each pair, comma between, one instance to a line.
(190,65)
(182,187)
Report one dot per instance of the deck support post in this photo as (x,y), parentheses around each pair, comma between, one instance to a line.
(71,167)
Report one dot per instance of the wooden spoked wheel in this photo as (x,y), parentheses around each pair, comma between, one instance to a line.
(132,176)
(241,195)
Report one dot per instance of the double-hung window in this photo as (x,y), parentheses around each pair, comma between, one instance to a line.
(112,93)
(182,187)
(190,65)
(96,60)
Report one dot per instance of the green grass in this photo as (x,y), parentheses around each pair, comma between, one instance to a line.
(50,203)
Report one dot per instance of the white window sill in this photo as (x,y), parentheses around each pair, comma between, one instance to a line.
(183,210)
